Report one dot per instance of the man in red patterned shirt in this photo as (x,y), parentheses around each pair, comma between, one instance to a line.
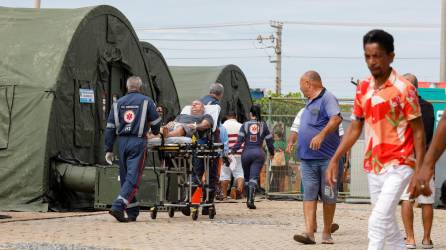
(386,105)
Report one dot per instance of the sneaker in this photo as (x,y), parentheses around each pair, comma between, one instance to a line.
(131,219)
(119,215)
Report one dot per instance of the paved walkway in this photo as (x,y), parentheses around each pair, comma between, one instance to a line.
(271,226)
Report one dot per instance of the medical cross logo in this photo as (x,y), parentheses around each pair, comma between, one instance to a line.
(254,129)
(129,116)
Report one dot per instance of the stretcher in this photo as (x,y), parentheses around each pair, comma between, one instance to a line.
(176,156)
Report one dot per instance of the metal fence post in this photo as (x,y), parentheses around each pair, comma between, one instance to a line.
(268,170)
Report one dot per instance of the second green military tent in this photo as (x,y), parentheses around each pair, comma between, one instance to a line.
(192,82)
(163,84)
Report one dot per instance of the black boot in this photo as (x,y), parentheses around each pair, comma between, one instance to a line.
(250,197)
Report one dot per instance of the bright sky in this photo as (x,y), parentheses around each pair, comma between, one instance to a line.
(417,43)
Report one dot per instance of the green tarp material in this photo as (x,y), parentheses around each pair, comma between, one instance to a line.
(192,82)
(164,86)
(46,56)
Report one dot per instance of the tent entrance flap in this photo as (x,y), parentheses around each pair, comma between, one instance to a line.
(117,83)
(6,101)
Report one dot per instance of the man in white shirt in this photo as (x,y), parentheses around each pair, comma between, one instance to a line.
(233,127)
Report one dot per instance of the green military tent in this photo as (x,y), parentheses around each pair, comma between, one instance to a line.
(60,70)
(164,86)
(192,82)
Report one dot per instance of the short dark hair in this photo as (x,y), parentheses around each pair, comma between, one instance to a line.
(382,38)
(255,110)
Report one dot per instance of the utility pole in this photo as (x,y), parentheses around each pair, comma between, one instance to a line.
(276,40)
(278,50)
(37,4)
(443,40)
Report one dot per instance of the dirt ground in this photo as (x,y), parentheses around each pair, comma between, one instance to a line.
(271,226)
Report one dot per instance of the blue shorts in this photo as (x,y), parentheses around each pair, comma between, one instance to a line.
(313,181)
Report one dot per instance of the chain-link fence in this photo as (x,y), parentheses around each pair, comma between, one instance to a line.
(281,176)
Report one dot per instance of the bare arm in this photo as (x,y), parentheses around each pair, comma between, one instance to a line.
(420,149)
(203,125)
(332,125)
(349,138)
(292,139)
(419,140)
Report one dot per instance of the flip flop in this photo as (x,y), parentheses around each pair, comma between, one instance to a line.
(430,245)
(411,246)
(327,240)
(304,239)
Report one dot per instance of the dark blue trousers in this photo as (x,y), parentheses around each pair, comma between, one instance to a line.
(132,154)
(252,163)
(198,169)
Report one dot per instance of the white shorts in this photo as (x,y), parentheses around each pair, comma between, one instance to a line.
(225,174)
(422,199)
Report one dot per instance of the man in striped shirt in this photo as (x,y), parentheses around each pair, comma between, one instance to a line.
(233,127)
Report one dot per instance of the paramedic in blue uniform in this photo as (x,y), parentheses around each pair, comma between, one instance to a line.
(214,97)
(130,118)
(252,134)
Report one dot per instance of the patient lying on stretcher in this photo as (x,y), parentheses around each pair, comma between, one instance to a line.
(188,124)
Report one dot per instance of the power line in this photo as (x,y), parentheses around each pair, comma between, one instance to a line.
(307,23)
(303,57)
(198,40)
(358,57)
(202,26)
(215,49)
(215,57)
(363,24)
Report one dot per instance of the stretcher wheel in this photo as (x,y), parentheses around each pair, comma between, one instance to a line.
(171,212)
(194,213)
(153,212)
(185,211)
(212,212)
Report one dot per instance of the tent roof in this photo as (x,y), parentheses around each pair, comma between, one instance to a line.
(38,40)
(193,82)
(162,80)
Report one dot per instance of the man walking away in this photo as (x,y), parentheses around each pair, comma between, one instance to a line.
(427,115)
(129,119)
(233,128)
